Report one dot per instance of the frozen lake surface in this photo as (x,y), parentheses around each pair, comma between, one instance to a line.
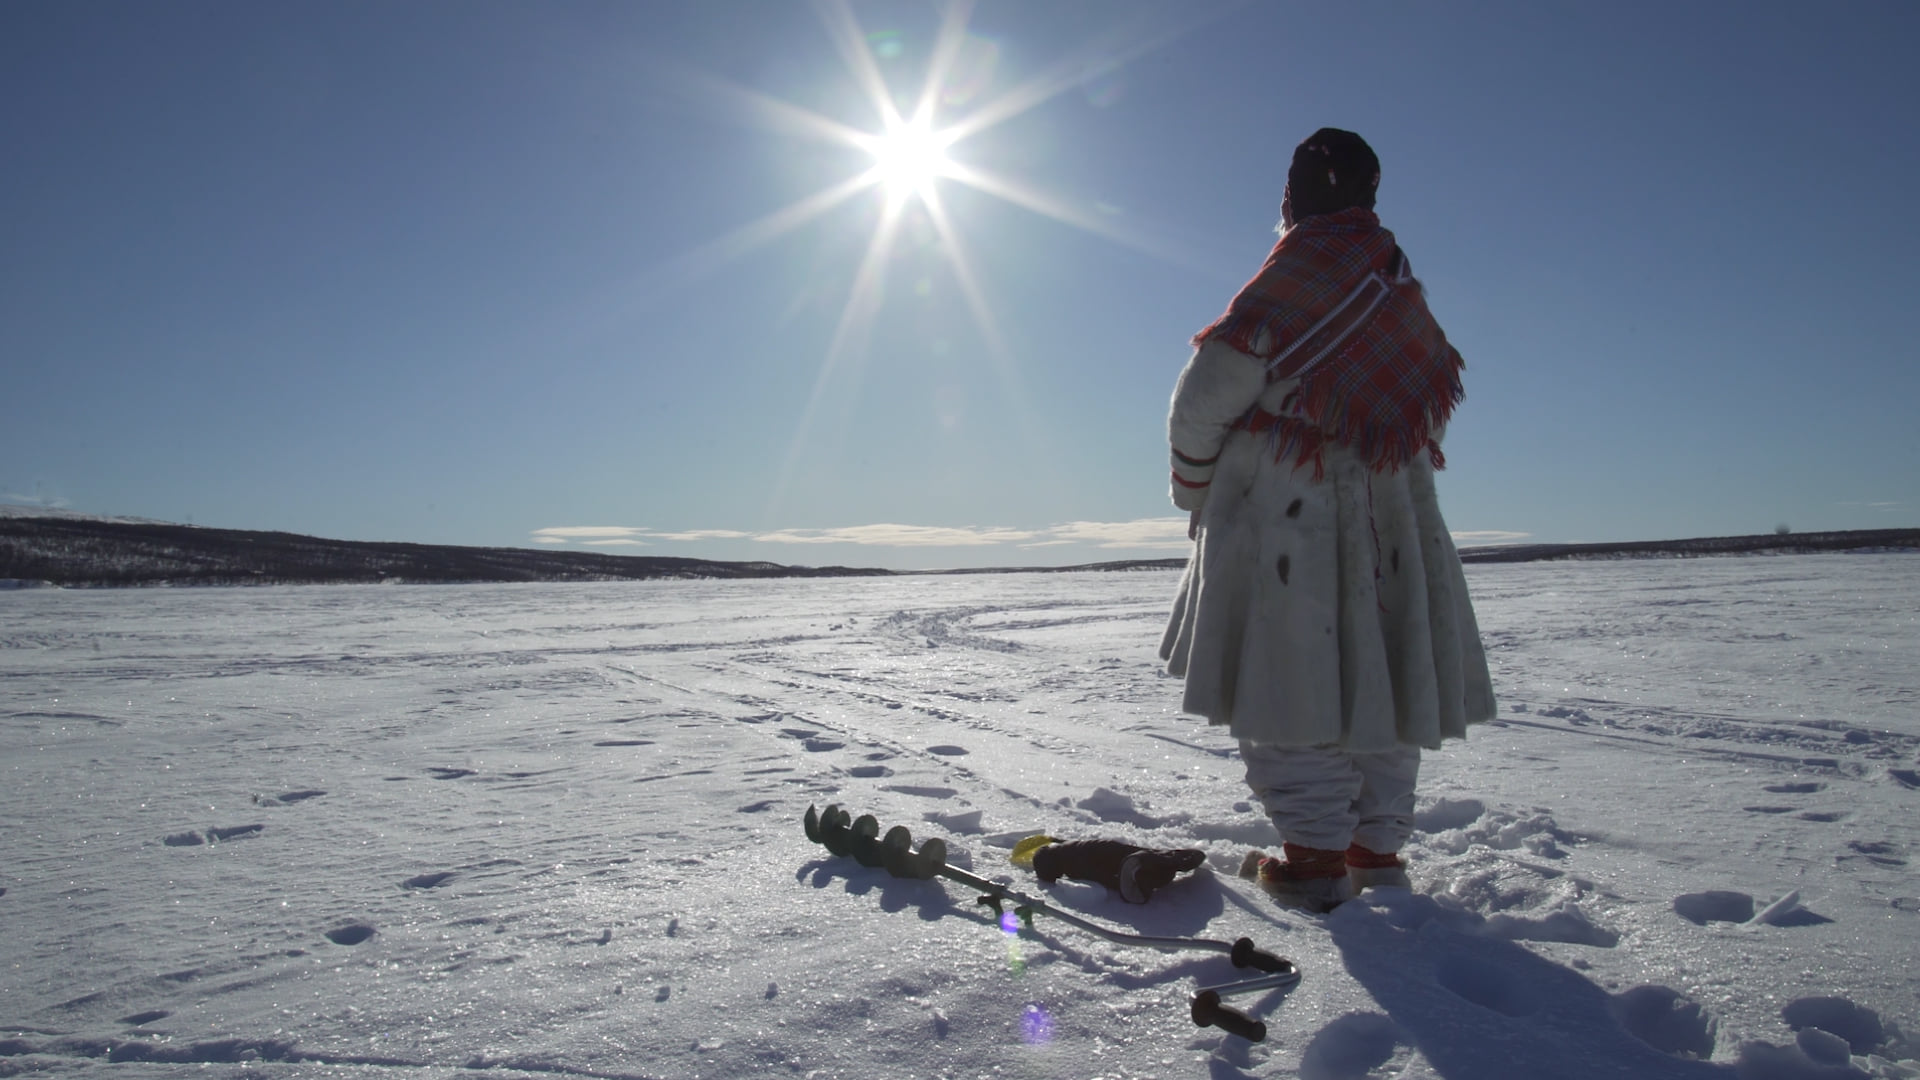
(418,831)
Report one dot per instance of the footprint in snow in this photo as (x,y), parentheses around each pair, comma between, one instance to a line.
(758,807)
(1726,905)
(1794,789)
(287,798)
(1822,816)
(813,742)
(1768,809)
(624,742)
(213,835)
(443,773)
(427,881)
(1667,1020)
(869,772)
(948,751)
(142,1018)
(350,934)
(1905,777)
(235,832)
(1877,852)
(1714,905)
(1352,1046)
(922,792)
(1857,1024)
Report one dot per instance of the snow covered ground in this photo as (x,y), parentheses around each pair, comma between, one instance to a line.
(555,829)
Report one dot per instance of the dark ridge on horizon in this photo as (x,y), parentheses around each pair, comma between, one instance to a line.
(1777,543)
(86,552)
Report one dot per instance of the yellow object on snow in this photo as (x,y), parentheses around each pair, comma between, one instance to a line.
(1023,851)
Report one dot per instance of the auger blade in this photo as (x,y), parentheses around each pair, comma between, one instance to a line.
(865,840)
(834,832)
(896,853)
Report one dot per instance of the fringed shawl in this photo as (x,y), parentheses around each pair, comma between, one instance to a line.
(1387,390)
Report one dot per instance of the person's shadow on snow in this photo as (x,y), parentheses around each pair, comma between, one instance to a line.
(1480,1007)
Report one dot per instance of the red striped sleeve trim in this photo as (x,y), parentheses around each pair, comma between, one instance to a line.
(1193,461)
(1186,483)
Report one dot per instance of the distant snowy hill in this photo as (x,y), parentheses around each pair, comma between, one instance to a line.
(59,547)
(90,551)
(1764,544)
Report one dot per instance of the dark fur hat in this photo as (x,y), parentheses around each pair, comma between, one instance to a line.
(1332,170)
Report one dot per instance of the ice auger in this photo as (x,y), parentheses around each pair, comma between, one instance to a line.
(841,833)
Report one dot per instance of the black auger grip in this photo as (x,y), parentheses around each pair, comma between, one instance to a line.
(1208,1012)
(1245,955)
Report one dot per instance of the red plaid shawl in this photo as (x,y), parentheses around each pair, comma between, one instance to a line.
(1387,390)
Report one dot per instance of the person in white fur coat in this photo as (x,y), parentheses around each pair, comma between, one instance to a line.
(1324,617)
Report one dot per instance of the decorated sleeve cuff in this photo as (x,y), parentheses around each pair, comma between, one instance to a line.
(1191,477)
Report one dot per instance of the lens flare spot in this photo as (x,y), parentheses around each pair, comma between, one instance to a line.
(1009,922)
(1036,1024)
(886,44)
(972,71)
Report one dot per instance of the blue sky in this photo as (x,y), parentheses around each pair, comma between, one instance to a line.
(522,274)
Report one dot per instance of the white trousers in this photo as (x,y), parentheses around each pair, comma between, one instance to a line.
(1327,797)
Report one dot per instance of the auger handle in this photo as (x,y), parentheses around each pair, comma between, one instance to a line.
(1208,1012)
(1245,955)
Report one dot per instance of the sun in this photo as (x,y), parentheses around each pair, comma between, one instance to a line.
(908,166)
(908,157)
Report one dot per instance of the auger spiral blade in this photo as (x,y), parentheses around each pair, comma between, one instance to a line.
(841,833)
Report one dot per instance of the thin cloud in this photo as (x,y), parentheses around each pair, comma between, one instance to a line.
(1169,533)
(564,533)
(43,502)
(693,535)
(890,535)
(1489,536)
(1161,532)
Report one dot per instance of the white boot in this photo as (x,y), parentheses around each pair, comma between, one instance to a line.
(1313,891)
(1367,869)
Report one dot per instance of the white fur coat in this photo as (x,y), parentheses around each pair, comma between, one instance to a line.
(1313,612)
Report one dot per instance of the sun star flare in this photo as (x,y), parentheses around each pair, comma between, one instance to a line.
(909,157)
